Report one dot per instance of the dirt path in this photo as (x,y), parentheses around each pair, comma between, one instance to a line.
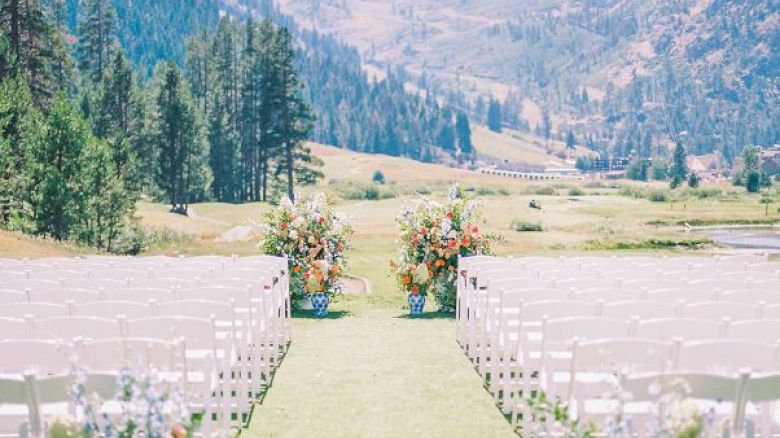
(375,374)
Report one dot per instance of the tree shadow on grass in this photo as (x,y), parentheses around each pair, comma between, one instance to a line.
(428,315)
(332,314)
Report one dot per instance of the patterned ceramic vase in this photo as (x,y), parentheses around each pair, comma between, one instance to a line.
(320,303)
(416,304)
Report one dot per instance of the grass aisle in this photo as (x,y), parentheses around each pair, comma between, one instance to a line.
(375,374)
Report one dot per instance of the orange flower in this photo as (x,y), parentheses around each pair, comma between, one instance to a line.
(416,289)
(452,244)
(407,279)
(297,268)
(465,242)
(439,263)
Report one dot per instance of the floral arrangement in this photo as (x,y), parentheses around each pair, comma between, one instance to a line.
(313,238)
(432,236)
(144,405)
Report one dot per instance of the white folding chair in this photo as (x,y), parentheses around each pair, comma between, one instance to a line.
(29,285)
(57,275)
(753,296)
(762,392)
(95,284)
(595,366)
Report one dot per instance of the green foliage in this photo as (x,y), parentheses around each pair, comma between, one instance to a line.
(679,170)
(546,191)
(525,226)
(576,191)
(753,181)
(182,174)
(660,170)
(378,178)
(494,116)
(693,180)
(96,30)
(658,196)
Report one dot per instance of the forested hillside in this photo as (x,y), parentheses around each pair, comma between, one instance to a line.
(350,109)
(624,76)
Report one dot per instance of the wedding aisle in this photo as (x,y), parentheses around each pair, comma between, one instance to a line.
(376,374)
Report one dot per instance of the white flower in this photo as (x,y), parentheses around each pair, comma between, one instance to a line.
(294,234)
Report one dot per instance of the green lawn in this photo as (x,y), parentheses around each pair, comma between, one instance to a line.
(374,373)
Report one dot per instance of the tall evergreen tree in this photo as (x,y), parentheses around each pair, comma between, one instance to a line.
(293,118)
(679,170)
(463,129)
(494,116)
(181,174)
(97,37)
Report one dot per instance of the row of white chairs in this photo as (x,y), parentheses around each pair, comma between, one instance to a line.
(509,314)
(242,306)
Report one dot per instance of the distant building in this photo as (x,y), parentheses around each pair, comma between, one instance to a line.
(610,165)
(770,160)
(708,167)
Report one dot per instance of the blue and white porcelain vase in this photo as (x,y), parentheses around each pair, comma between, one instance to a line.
(320,303)
(416,304)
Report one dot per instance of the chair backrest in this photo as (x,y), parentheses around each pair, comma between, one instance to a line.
(202,274)
(11,296)
(70,328)
(763,388)
(761,330)
(685,328)
(673,295)
(36,310)
(45,356)
(241,283)
(8,274)
(140,295)
(702,386)
(554,309)
(641,309)
(199,333)
(221,310)
(25,285)
(111,309)
(241,295)
(772,311)
(559,333)
(95,284)
(167,283)
(113,354)
(120,274)
(57,275)
(607,294)
(63,295)
(15,328)
(728,356)
(610,357)
(752,296)
(721,309)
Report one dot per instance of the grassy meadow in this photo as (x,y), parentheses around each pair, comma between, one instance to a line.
(576,216)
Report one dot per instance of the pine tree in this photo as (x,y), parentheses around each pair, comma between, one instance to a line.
(57,173)
(463,129)
(32,41)
(679,170)
(494,116)
(293,118)
(571,143)
(181,147)
(19,130)
(97,34)
(113,119)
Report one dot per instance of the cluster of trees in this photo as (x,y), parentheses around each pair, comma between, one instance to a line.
(83,137)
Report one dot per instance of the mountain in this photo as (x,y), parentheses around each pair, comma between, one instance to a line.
(351,109)
(704,72)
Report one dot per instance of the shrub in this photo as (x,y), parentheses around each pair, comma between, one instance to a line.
(504,192)
(371,194)
(753,182)
(485,191)
(658,196)
(576,191)
(524,226)
(693,180)
(546,191)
